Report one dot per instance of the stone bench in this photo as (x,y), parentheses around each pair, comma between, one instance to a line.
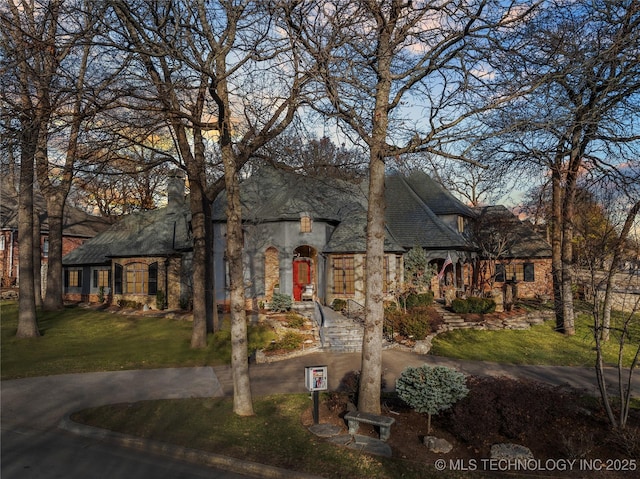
(354,418)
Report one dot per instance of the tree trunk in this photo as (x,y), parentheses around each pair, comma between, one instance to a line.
(370,377)
(567,278)
(27,320)
(37,260)
(556,248)
(53,297)
(199,280)
(242,404)
(615,261)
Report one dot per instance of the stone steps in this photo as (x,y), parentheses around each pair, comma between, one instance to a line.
(341,334)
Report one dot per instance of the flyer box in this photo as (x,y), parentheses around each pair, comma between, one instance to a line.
(315,378)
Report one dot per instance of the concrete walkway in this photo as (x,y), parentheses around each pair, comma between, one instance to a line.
(42,403)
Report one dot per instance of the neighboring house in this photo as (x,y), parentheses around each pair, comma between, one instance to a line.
(513,253)
(78,227)
(303,237)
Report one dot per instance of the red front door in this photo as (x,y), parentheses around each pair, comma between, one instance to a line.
(301,276)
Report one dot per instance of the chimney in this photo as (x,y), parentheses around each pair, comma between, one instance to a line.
(175,188)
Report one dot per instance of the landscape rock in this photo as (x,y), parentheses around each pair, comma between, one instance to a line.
(423,346)
(437,444)
(510,452)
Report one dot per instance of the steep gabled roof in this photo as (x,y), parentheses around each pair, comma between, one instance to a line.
(350,236)
(160,232)
(412,220)
(439,199)
(521,238)
(272,194)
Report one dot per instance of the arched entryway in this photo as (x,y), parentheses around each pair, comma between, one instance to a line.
(304,271)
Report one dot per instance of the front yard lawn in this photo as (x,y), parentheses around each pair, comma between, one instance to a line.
(79,340)
(538,345)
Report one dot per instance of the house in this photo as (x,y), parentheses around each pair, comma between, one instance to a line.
(78,227)
(513,252)
(143,259)
(303,236)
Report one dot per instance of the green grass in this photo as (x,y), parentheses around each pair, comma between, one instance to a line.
(81,340)
(274,436)
(538,345)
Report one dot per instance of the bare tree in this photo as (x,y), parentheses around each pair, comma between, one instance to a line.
(221,73)
(373,59)
(474,184)
(320,158)
(577,71)
(67,78)
(28,31)
(623,331)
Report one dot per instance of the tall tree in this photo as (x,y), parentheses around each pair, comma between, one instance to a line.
(227,81)
(577,71)
(68,79)
(27,30)
(375,61)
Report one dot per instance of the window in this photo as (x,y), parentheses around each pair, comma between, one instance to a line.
(73,278)
(45,248)
(460,224)
(305,223)
(386,279)
(529,273)
(343,275)
(153,278)
(117,283)
(2,244)
(140,278)
(515,272)
(101,278)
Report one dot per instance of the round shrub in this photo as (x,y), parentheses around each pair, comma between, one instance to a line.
(460,306)
(280,303)
(419,300)
(338,304)
(289,342)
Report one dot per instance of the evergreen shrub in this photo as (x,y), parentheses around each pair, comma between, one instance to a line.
(280,303)
(460,306)
(473,305)
(338,304)
(290,341)
(415,300)
(431,389)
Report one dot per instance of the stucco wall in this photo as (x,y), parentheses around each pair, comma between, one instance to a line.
(285,237)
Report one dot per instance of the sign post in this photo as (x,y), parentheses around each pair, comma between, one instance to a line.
(315,380)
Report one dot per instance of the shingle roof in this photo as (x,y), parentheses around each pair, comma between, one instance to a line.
(411,219)
(160,232)
(526,243)
(272,194)
(439,199)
